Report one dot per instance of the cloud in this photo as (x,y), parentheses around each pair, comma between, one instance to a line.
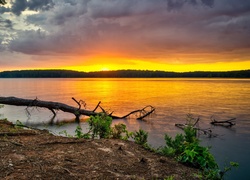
(145,29)
(40,5)
(5,24)
(209,3)
(18,6)
(4,9)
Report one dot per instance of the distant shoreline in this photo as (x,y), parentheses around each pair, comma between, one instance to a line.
(122,74)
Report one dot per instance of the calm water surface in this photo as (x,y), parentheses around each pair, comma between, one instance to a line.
(173,99)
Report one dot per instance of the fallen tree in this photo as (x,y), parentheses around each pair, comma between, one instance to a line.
(55,106)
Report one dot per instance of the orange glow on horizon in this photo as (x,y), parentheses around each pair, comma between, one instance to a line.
(117,63)
(145,65)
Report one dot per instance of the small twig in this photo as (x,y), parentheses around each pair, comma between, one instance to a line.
(79,104)
(198,119)
(103,110)
(97,106)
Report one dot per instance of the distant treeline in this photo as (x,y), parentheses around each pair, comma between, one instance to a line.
(121,74)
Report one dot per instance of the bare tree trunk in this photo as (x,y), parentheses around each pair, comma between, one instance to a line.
(52,106)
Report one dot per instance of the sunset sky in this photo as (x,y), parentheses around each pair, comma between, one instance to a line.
(93,35)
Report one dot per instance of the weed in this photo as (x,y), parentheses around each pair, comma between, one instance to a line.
(19,124)
(169,178)
(65,133)
(80,134)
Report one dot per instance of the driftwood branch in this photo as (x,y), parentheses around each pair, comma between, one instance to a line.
(226,123)
(52,106)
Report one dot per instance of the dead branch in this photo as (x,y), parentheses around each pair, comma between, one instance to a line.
(226,123)
(146,111)
(208,132)
(97,106)
(79,104)
(142,112)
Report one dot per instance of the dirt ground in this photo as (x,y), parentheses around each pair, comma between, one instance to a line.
(37,154)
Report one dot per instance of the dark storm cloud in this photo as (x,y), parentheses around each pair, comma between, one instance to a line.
(177,4)
(29,42)
(209,3)
(71,2)
(120,8)
(40,5)
(18,6)
(4,9)
(132,28)
(66,12)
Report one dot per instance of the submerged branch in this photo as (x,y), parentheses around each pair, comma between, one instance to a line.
(208,132)
(226,123)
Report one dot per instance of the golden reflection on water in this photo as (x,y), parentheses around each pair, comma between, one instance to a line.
(222,98)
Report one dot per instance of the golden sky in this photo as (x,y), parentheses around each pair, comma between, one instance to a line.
(93,35)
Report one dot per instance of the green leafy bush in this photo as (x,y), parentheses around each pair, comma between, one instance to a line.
(100,125)
(186,149)
(80,134)
(118,130)
(140,137)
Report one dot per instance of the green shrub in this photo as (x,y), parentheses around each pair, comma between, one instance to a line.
(186,149)
(140,137)
(118,130)
(174,146)
(80,134)
(100,125)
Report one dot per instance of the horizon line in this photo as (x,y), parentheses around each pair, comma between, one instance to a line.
(55,69)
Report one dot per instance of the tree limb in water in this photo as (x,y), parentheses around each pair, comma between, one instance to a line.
(208,132)
(52,106)
(226,123)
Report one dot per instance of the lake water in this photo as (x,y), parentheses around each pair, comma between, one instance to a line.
(173,99)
